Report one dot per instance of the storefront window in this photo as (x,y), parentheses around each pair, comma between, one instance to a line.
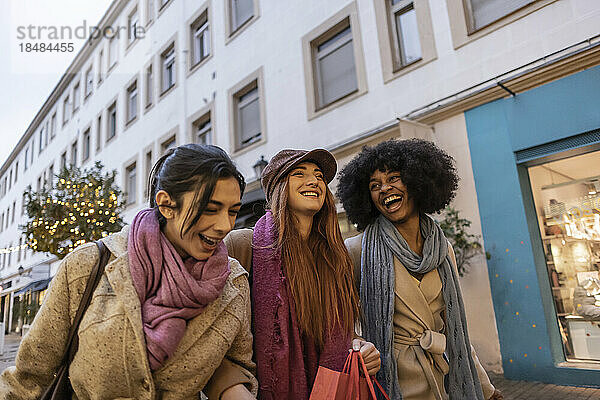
(567,201)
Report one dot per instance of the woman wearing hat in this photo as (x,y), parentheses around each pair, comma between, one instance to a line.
(304,303)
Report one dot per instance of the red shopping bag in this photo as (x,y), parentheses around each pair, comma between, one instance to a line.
(346,385)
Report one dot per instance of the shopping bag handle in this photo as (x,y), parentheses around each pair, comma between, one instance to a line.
(370,379)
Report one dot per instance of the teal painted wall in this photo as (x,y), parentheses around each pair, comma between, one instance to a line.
(529,338)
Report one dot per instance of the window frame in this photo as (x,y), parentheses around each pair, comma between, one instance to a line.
(171,45)
(113,104)
(232,33)
(203,13)
(128,91)
(113,58)
(86,142)
(255,79)
(459,21)
(131,164)
(149,85)
(206,112)
(76,97)
(66,110)
(89,82)
(321,34)
(135,11)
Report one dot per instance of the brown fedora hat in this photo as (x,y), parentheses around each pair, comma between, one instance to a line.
(284,161)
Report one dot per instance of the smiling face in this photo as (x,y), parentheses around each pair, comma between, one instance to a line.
(306,189)
(216,221)
(391,198)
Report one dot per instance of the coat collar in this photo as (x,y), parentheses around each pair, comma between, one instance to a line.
(417,297)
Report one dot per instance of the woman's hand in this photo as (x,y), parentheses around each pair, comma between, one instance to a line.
(237,392)
(497,395)
(369,354)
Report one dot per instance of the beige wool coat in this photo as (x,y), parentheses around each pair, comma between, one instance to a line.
(419,326)
(112,362)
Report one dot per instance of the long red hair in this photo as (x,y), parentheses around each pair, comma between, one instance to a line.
(319,270)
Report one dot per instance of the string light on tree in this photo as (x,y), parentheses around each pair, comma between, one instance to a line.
(75,210)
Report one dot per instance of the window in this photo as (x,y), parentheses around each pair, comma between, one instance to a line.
(24,200)
(167,144)
(25,160)
(19,253)
(133,24)
(76,97)
(473,19)
(130,184)
(407,45)
(86,144)
(74,154)
(168,68)
(32,150)
(112,121)
(10,179)
(481,13)
(99,133)
(566,197)
(113,51)
(202,129)
(200,39)
(163,3)
(149,11)
(63,161)
(247,115)
(149,86)
(41,141)
(50,176)
(100,66)
(147,169)
(89,82)
(53,126)
(333,59)
(132,100)
(334,67)
(66,110)
(241,11)
(16,171)
(12,220)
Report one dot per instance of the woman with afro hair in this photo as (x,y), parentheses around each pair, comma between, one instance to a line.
(409,291)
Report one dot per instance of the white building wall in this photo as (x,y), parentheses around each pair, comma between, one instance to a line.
(273,44)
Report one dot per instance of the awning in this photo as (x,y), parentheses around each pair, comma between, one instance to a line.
(35,286)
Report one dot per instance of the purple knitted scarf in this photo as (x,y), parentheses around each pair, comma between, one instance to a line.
(171,290)
(287,360)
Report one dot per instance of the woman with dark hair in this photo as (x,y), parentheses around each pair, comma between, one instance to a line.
(412,305)
(170,305)
(304,303)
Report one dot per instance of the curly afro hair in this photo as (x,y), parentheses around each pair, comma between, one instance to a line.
(426,170)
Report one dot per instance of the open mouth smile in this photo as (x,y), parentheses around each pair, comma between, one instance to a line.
(392,202)
(310,194)
(209,241)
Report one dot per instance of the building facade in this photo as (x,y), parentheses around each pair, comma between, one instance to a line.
(487,81)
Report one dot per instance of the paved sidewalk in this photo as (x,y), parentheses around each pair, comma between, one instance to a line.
(522,390)
(11,345)
(512,390)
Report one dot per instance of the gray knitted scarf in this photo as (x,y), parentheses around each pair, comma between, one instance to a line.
(380,244)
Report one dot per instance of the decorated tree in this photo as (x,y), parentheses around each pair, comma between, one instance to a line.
(79,206)
(466,245)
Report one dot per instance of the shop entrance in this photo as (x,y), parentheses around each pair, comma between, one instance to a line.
(566,194)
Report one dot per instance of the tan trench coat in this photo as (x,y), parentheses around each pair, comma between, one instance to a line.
(419,342)
(111,361)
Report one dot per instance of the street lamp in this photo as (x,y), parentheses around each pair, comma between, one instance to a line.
(259,166)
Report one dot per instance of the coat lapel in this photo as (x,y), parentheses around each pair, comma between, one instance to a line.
(407,290)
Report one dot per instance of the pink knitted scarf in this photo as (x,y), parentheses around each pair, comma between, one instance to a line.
(171,290)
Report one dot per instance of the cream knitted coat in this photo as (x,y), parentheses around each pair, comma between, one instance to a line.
(111,361)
